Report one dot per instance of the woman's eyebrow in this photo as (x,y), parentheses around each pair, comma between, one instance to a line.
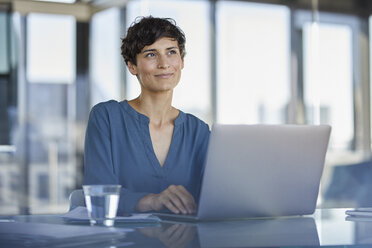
(154,50)
(170,48)
(149,50)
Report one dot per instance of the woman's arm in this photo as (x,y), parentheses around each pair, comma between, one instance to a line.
(98,162)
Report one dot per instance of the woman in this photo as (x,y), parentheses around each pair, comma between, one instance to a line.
(155,151)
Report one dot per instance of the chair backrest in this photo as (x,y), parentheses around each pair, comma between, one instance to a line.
(350,186)
(76,199)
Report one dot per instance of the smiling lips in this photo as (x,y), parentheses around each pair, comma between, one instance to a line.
(164,75)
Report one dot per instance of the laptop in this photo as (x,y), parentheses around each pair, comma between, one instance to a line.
(255,171)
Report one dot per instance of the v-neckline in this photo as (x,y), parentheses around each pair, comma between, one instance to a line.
(169,150)
(145,121)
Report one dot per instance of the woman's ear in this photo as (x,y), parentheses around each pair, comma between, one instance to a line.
(132,68)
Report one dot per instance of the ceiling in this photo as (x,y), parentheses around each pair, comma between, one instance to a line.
(83,9)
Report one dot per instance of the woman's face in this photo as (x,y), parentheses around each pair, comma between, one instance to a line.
(158,66)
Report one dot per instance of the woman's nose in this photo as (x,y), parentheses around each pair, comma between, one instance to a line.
(162,62)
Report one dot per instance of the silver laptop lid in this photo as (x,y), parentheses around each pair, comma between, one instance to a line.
(262,170)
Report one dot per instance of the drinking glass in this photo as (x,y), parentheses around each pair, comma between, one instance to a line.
(102,203)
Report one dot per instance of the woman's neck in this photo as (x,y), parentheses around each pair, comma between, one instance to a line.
(157,107)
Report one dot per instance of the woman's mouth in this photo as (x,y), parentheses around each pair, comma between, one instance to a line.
(164,75)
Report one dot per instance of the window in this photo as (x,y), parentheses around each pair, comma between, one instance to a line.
(105,56)
(43,189)
(4,60)
(50,114)
(370,68)
(328,84)
(253,63)
(51,48)
(2,185)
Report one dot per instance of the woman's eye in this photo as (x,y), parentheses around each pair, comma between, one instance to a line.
(148,55)
(172,52)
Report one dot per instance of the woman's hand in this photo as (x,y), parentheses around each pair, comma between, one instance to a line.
(175,198)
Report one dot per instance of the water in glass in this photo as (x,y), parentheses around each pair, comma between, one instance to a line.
(102,208)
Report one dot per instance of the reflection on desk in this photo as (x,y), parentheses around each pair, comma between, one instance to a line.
(326,227)
(170,235)
(259,233)
(363,227)
(299,231)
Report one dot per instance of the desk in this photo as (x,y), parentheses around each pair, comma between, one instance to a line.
(327,227)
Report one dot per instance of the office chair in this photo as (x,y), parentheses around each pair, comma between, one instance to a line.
(76,199)
(350,186)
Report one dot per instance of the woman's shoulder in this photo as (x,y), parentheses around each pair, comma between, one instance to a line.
(195,122)
(106,106)
(105,111)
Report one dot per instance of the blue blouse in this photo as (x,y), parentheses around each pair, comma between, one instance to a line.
(118,150)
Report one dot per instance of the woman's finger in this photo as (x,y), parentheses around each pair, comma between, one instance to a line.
(177,200)
(171,201)
(185,197)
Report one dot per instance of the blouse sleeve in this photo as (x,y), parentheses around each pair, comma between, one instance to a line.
(98,162)
(201,156)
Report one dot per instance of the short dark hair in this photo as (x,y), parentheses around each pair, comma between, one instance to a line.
(145,31)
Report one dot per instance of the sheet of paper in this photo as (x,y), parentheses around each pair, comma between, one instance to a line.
(81,213)
(360,212)
(44,235)
(57,230)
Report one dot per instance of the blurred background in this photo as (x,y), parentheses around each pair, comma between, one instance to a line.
(268,61)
